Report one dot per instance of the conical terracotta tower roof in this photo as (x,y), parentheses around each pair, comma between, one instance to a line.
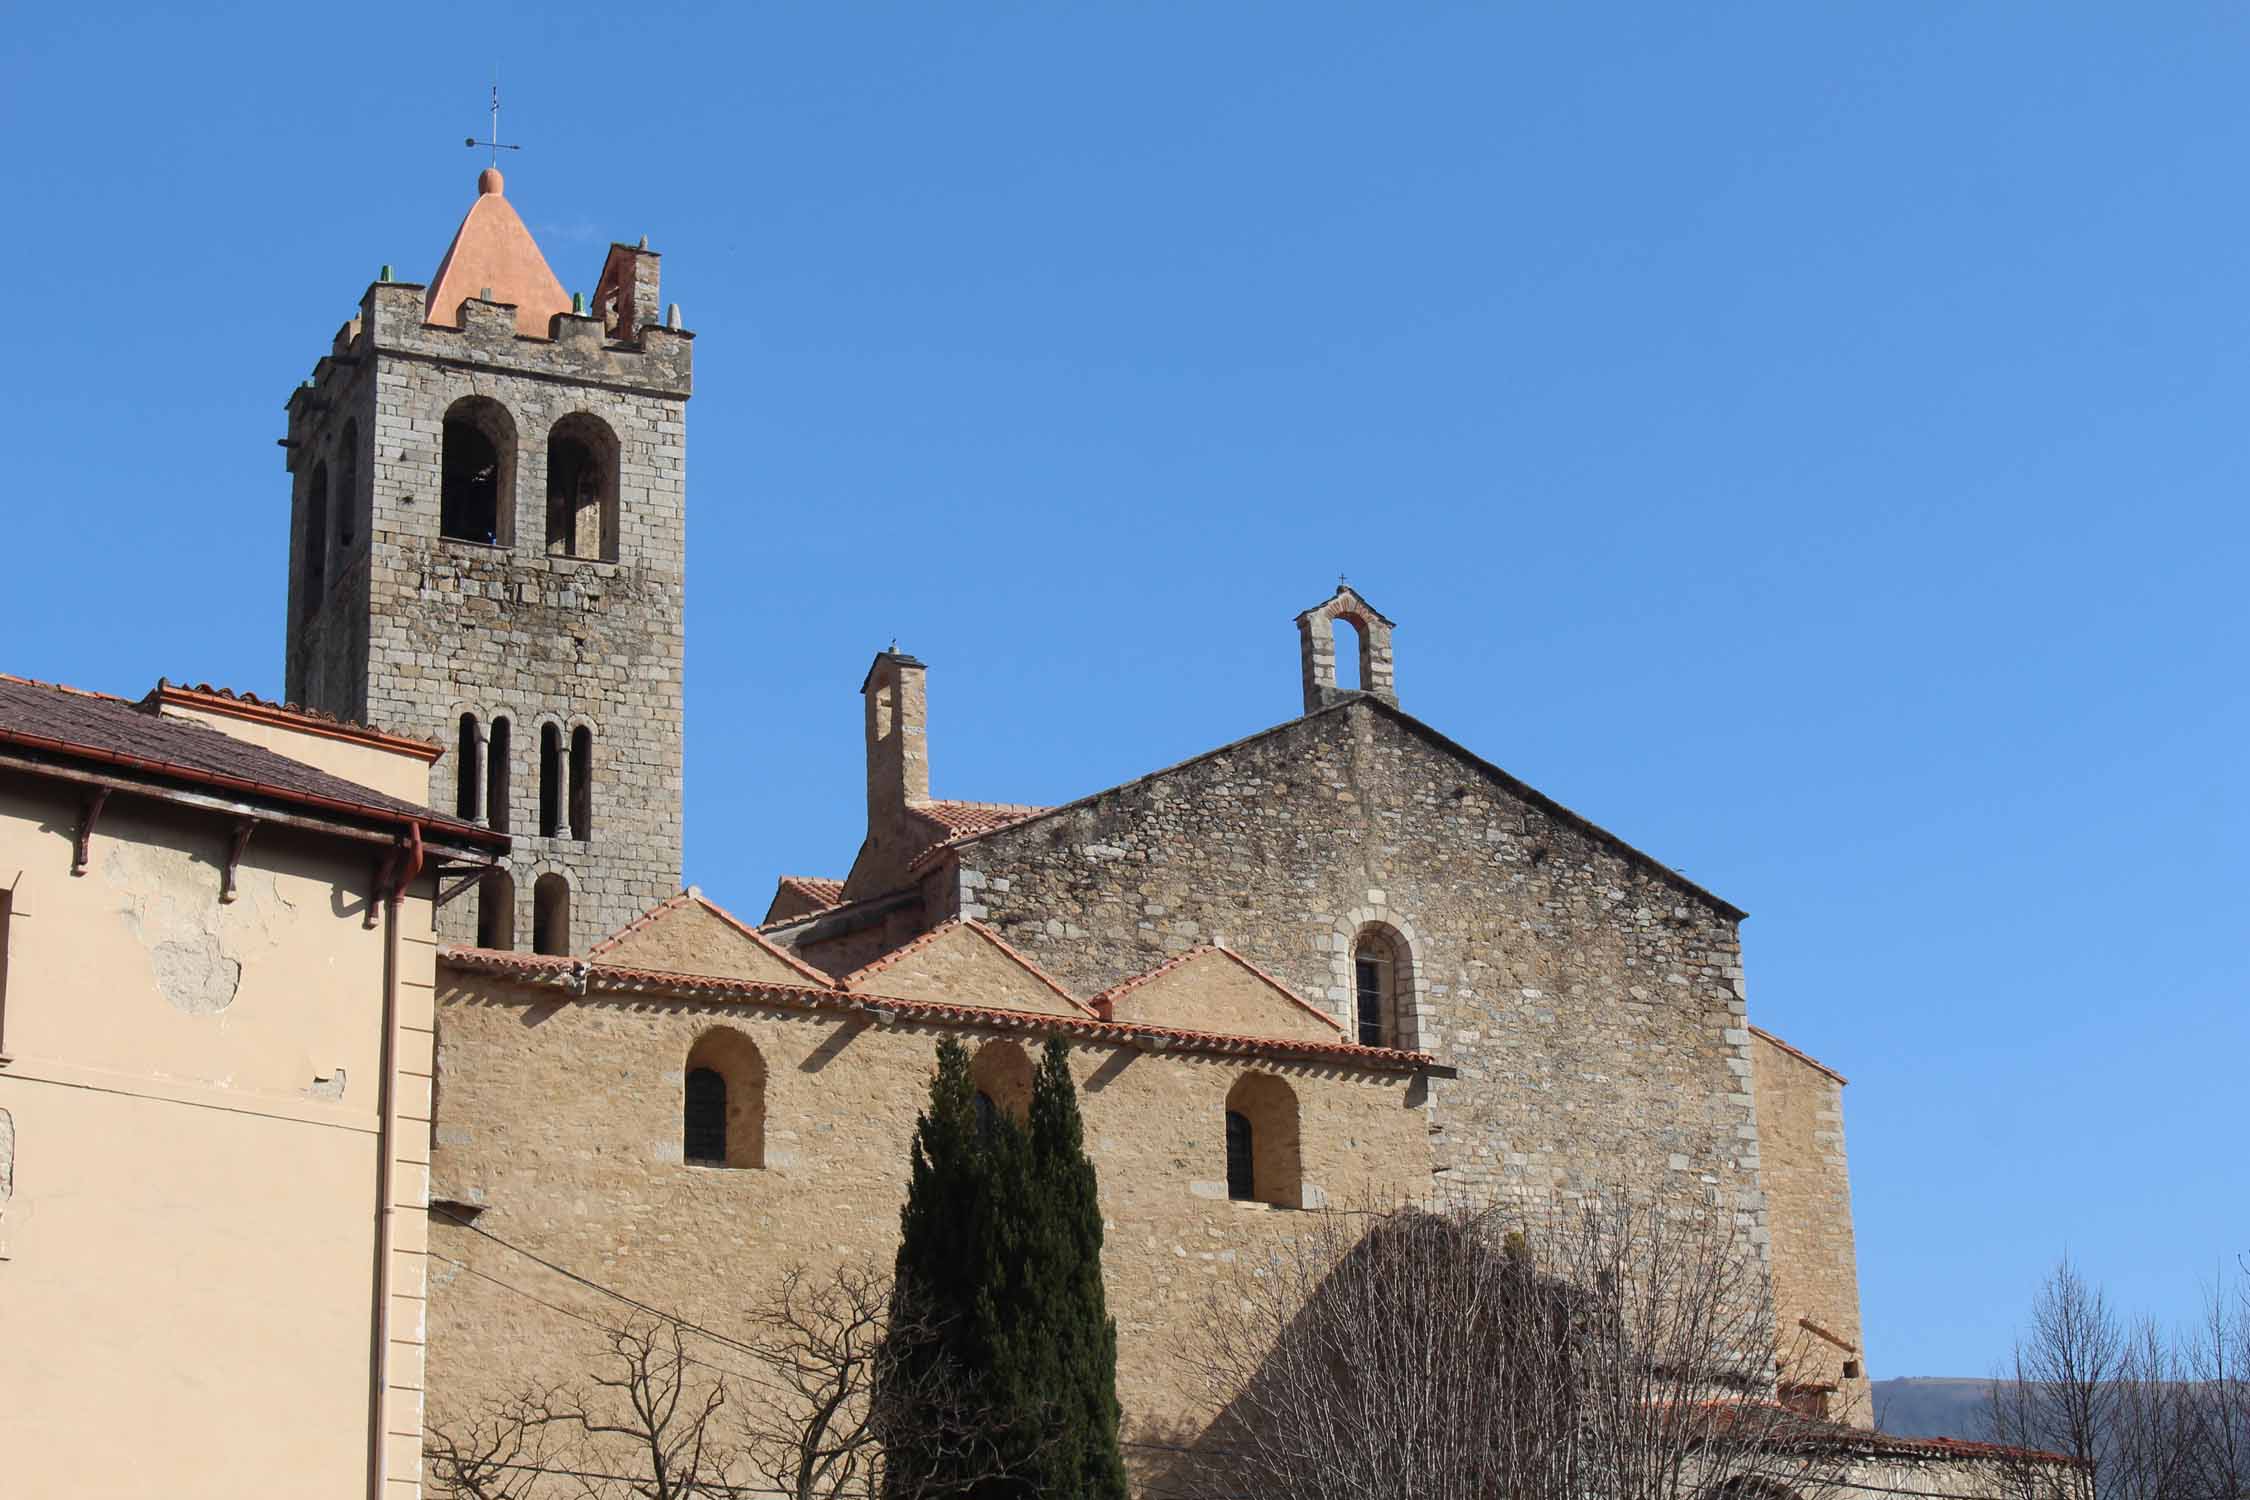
(494,256)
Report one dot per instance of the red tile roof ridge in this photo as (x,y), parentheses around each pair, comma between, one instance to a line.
(1105,1003)
(842,906)
(586,978)
(1801,1056)
(989,936)
(693,896)
(317,720)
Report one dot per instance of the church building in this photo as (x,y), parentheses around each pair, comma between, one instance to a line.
(1343,960)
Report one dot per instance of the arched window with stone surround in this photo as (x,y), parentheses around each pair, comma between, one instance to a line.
(1001,1072)
(315,584)
(723,1104)
(496,911)
(1264,1161)
(550,915)
(582,480)
(1381,976)
(477,473)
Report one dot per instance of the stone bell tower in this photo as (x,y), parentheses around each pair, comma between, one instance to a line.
(487,546)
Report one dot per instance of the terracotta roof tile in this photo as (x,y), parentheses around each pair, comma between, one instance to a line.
(818,889)
(581,977)
(950,823)
(313,720)
(43,716)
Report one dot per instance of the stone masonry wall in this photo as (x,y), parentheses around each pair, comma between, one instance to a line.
(1808,1188)
(453,627)
(1592,1003)
(562,1118)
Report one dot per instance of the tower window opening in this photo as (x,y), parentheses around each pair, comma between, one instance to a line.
(1351,654)
(550,915)
(550,781)
(581,782)
(467,771)
(582,476)
(316,539)
(496,911)
(347,488)
(477,473)
(498,758)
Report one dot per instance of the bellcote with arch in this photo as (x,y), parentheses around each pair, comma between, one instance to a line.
(1345,625)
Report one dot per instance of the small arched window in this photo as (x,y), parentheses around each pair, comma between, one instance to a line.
(1266,1110)
(550,915)
(468,771)
(582,488)
(477,478)
(347,488)
(316,540)
(1001,1072)
(496,911)
(496,788)
(581,782)
(550,781)
(1375,988)
(723,1111)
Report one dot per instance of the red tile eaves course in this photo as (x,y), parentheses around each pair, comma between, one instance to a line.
(815,888)
(581,977)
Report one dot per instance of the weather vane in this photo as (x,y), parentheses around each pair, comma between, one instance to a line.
(496,144)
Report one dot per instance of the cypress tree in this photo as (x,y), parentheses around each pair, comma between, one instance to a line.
(1000,1245)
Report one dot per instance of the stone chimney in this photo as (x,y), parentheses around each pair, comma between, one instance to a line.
(1316,643)
(898,755)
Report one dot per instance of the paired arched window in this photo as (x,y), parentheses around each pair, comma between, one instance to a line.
(347,488)
(582,476)
(723,1108)
(1001,1072)
(1264,1164)
(496,911)
(566,782)
(477,473)
(550,915)
(496,787)
(316,539)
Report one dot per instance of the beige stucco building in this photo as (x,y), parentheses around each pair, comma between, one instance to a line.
(216,973)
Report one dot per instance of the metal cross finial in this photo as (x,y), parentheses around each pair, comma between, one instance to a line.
(495,143)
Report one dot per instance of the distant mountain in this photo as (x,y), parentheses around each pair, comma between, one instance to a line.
(1924,1406)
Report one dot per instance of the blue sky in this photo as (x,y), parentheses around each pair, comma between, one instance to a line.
(1808,440)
